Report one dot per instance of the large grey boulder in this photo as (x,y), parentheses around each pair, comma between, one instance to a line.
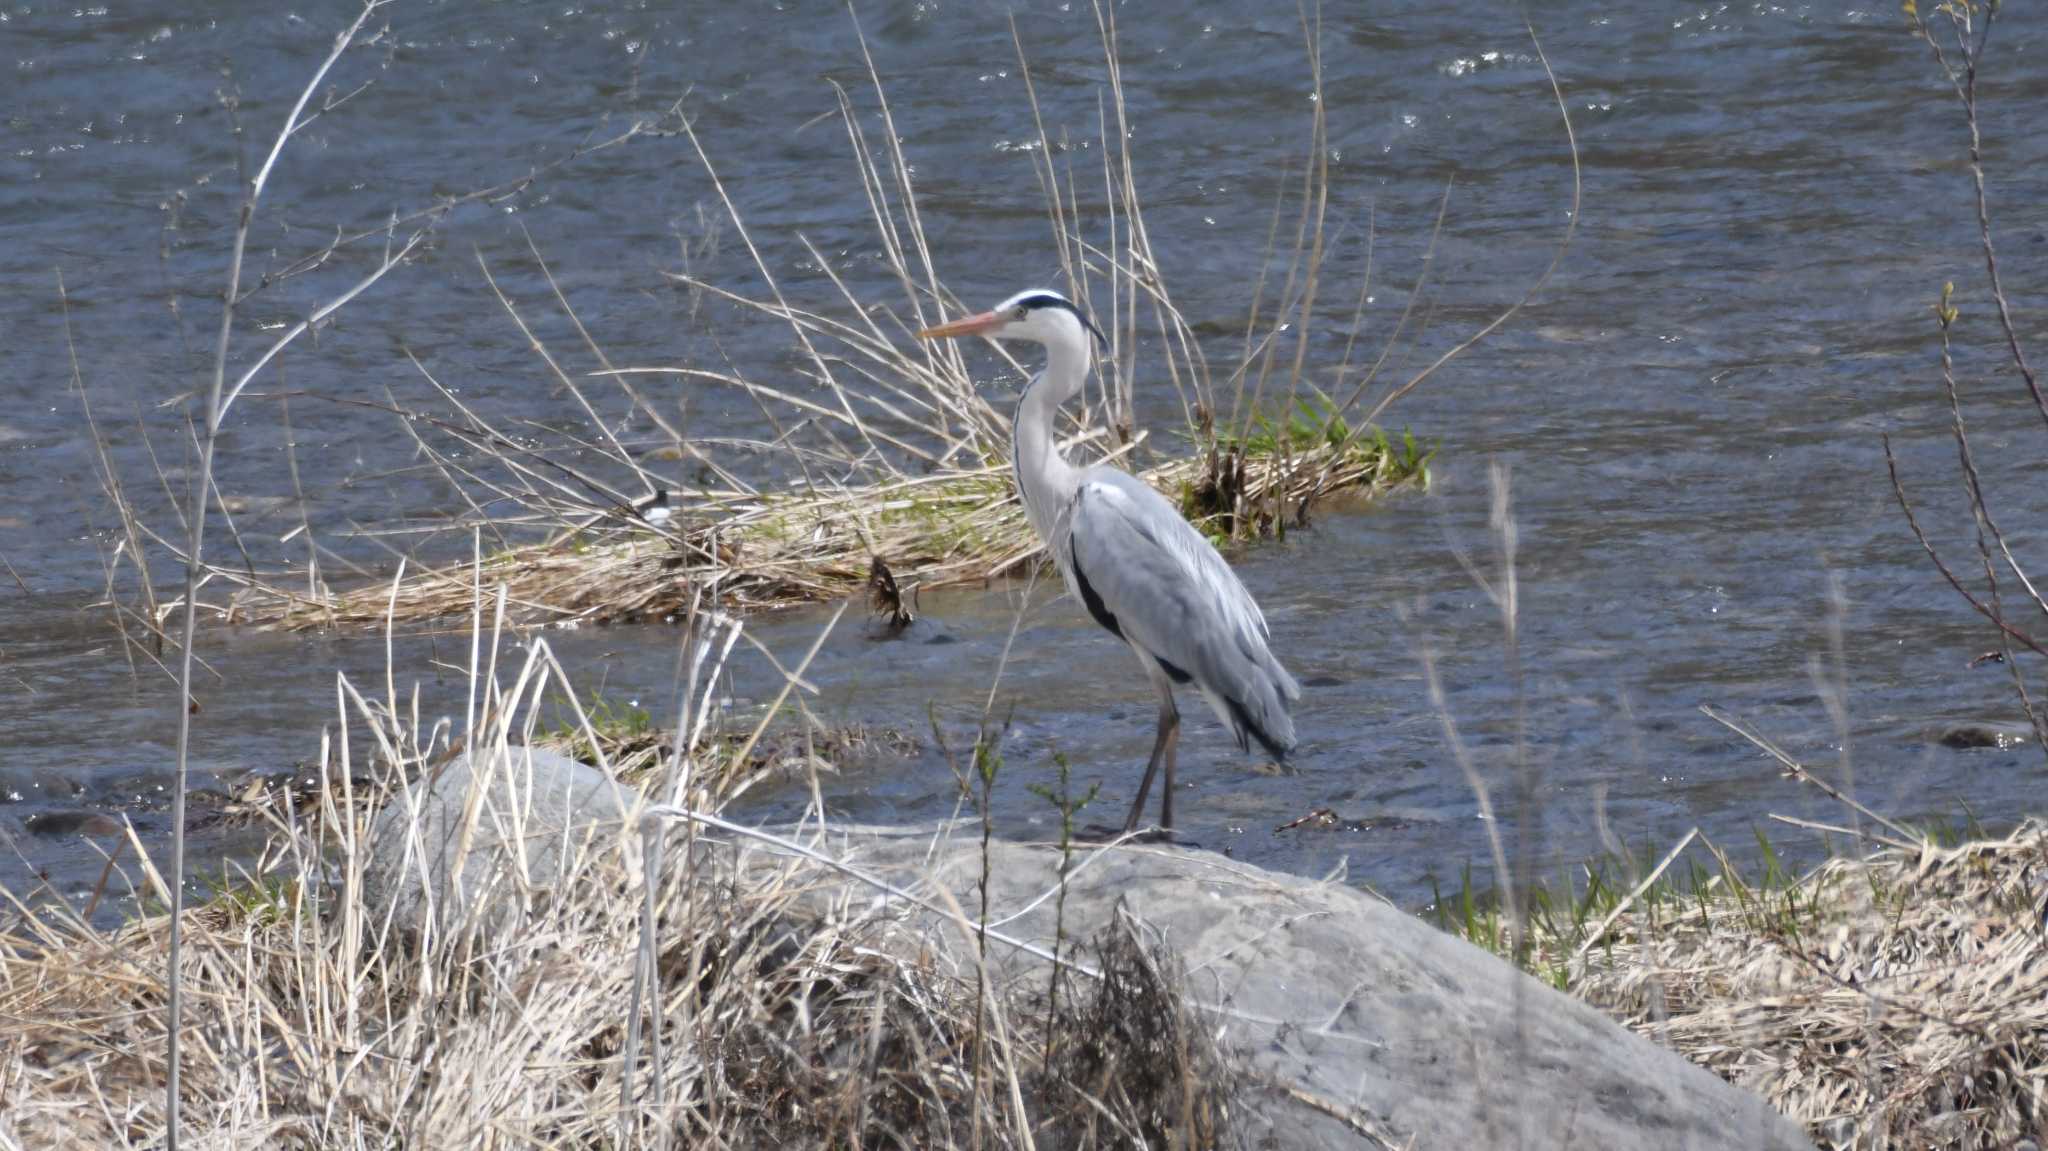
(1366,1026)
(485,835)
(1372,1026)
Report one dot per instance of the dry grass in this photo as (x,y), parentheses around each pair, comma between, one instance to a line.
(1908,1009)
(1896,1001)
(314,1020)
(1893,1001)
(772,550)
(882,446)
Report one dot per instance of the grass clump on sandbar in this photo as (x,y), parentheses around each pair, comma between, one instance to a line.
(873,445)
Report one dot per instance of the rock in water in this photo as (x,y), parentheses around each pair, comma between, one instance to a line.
(1984,733)
(519,811)
(1361,1017)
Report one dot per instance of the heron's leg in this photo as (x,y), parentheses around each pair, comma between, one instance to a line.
(1171,717)
(1162,751)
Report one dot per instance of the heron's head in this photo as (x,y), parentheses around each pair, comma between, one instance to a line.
(1038,315)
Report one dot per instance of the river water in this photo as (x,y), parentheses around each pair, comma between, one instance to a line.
(1690,412)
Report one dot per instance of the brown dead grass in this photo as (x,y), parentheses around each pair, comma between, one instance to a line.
(770,551)
(314,1020)
(1899,1001)
(882,446)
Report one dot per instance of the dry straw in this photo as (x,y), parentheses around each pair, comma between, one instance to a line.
(886,447)
(316,1017)
(1893,999)
(1894,1002)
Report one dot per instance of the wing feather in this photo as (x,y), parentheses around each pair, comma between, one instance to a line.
(1132,558)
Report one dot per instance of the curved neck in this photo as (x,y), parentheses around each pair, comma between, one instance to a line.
(1044,477)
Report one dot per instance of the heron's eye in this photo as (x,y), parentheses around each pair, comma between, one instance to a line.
(1022,311)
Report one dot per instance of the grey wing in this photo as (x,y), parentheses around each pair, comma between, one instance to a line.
(1148,575)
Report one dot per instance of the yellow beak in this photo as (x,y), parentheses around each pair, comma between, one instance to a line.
(970,326)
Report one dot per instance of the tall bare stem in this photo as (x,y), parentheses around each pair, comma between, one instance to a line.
(217,400)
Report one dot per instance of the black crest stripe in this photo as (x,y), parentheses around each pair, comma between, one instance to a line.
(1048,300)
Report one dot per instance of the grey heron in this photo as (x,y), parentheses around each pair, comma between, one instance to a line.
(1143,572)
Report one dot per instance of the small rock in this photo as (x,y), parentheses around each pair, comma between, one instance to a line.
(534,802)
(1984,733)
(56,823)
(20,785)
(245,505)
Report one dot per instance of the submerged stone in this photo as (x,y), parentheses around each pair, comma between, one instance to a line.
(1984,733)
(60,823)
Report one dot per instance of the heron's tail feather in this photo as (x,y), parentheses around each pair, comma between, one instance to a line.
(1277,739)
(1259,709)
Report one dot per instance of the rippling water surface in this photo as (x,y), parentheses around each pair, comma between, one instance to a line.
(1690,412)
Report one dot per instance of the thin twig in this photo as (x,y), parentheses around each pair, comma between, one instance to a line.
(196,502)
(1798,771)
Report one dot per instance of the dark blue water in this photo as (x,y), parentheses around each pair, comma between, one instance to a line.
(1773,196)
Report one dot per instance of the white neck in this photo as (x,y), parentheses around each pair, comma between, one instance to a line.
(1044,477)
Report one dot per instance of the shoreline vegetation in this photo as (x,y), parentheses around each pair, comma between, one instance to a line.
(1892,996)
(1886,998)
